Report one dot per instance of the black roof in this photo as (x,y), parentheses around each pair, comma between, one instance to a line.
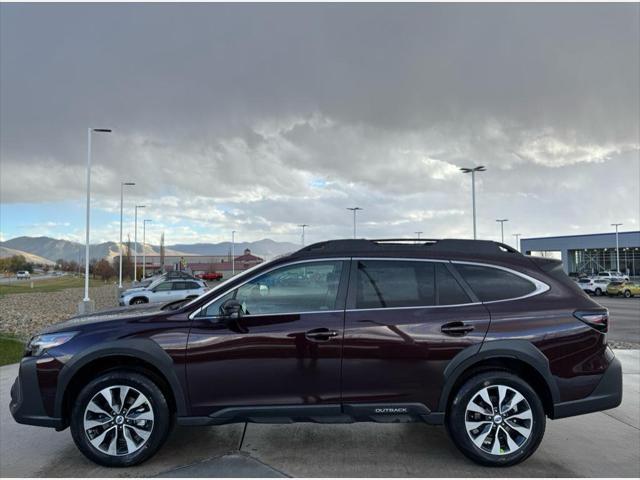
(407,246)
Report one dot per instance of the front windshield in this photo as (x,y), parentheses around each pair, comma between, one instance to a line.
(220,286)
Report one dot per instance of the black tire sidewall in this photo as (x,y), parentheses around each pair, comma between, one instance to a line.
(627,294)
(598,292)
(161,426)
(456,417)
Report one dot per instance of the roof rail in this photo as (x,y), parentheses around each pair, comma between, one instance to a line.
(404,240)
(453,245)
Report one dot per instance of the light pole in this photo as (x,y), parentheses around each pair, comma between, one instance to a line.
(354,210)
(144,252)
(418,234)
(473,171)
(86,306)
(135,242)
(233,252)
(303,226)
(617,246)
(517,235)
(502,220)
(122,185)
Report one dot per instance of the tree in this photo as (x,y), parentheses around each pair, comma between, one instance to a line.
(15,264)
(104,270)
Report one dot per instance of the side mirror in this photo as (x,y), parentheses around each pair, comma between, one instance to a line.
(231,309)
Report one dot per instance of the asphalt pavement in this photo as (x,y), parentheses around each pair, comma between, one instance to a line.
(599,444)
(624,318)
(25,281)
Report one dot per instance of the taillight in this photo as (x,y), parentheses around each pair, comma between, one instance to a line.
(598,319)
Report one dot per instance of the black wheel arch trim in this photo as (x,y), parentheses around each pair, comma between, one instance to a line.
(142,349)
(521,350)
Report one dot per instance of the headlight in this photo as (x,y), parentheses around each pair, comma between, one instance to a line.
(41,343)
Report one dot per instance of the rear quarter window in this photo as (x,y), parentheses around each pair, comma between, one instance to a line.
(491,284)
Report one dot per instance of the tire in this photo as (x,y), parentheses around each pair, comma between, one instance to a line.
(627,294)
(135,440)
(138,301)
(598,292)
(460,420)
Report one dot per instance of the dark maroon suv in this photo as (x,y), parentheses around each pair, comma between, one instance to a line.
(469,334)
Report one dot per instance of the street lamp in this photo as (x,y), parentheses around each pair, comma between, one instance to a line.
(502,220)
(473,171)
(354,210)
(418,234)
(122,185)
(135,243)
(303,226)
(617,246)
(233,252)
(517,235)
(86,305)
(144,252)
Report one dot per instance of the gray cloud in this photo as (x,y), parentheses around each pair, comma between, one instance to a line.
(265,116)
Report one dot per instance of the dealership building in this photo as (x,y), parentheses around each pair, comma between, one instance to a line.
(589,253)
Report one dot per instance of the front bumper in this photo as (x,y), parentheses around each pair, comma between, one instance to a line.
(26,400)
(606,395)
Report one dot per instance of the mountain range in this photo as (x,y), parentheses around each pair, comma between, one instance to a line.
(42,249)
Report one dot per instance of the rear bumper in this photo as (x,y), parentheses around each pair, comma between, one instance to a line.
(606,395)
(26,400)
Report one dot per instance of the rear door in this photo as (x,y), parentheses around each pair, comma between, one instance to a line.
(405,320)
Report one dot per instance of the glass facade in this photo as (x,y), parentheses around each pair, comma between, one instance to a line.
(594,260)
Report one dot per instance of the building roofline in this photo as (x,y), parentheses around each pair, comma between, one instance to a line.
(582,235)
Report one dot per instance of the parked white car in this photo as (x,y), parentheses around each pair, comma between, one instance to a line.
(595,286)
(164,292)
(612,276)
(23,274)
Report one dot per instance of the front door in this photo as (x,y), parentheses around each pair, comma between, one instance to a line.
(405,320)
(286,348)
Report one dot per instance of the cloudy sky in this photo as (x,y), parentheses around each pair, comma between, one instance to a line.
(257,118)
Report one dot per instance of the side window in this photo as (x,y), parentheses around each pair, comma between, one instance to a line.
(192,286)
(179,286)
(494,284)
(387,284)
(213,310)
(304,287)
(449,290)
(163,287)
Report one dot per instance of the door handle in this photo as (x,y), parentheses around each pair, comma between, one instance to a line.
(320,334)
(456,329)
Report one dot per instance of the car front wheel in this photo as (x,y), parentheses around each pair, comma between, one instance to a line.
(598,292)
(120,419)
(496,419)
(627,294)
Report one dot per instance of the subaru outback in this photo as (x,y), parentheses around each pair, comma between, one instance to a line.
(468,334)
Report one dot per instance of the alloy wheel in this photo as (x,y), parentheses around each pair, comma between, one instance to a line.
(498,420)
(118,420)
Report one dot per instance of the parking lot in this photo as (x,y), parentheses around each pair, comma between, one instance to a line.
(599,444)
(624,314)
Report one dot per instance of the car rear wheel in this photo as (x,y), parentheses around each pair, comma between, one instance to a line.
(496,419)
(120,419)
(598,292)
(627,294)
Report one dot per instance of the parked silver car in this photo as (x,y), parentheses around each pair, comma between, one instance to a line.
(164,291)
